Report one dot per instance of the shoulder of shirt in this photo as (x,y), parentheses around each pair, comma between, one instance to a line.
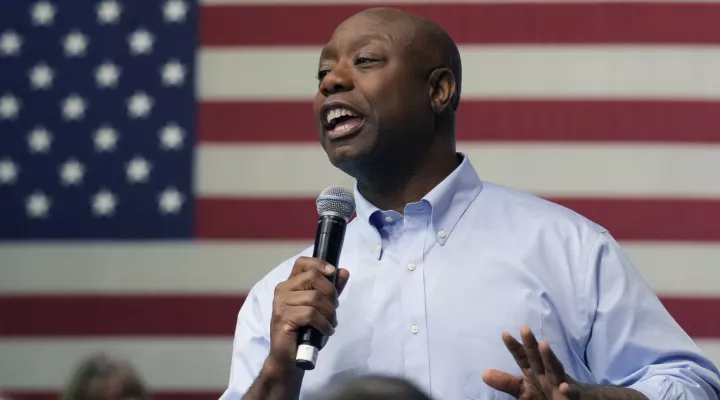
(535,209)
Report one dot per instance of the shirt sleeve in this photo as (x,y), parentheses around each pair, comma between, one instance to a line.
(634,342)
(251,344)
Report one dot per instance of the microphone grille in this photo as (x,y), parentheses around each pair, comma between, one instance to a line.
(336,200)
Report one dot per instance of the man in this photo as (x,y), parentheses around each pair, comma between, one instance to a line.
(439,266)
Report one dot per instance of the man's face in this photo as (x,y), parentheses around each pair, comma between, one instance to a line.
(369,96)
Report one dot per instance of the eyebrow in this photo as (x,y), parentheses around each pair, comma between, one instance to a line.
(327,52)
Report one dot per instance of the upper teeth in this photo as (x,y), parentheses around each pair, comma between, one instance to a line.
(337,113)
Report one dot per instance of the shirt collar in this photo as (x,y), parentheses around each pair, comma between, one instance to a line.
(448,200)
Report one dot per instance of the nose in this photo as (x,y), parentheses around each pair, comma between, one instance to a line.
(337,80)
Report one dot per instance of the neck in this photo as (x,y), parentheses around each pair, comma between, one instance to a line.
(407,183)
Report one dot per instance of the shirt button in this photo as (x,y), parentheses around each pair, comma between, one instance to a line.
(388,219)
(442,234)
(414,329)
(411,266)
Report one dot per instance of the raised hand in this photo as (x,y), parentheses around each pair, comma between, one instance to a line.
(543,374)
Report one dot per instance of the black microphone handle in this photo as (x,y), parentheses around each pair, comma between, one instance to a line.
(329,239)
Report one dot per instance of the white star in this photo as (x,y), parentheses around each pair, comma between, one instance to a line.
(37,205)
(171,137)
(108,12)
(43,13)
(138,170)
(104,203)
(73,107)
(105,139)
(107,74)
(141,42)
(139,105)
(10,43)
(39,140)
(71,172)
(173,73)
(9,106)
(75,44)
(41,76)
(175,11)
(8,172)
(170,201)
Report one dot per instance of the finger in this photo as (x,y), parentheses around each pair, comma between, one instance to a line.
(503,382)
(300,316)
(553,366)
(341,281)
(531,349)
(303,264)
(572,392)
(311,279)
(314,299)
(517,350)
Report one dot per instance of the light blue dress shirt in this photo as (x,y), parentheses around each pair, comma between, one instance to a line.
(431,291)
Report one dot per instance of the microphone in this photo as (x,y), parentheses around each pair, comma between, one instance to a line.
(335,206)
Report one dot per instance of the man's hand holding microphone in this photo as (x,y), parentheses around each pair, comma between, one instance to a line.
(303,313)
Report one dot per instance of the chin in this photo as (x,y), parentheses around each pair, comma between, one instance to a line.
(347,159)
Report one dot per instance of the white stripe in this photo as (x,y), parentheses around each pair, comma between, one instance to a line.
(683,72)
(166,364)
(154,268)
(311,2)
(711,349)
(678,269)
(671,269)
(554,169)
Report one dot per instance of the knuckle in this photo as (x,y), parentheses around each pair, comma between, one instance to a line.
(280,288)
(316,296)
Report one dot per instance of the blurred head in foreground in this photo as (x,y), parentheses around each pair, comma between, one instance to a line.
(374,387)
(105,377)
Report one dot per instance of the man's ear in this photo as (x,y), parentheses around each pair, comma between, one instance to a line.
(441,85)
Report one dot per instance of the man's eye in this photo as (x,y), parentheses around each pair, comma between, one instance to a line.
(363,60)
(321,74)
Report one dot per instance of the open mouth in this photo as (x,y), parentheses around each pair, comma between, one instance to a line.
(342,122)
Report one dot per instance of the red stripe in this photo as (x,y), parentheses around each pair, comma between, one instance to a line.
(699,320)
(228,25)
(627,219)
(118,315)
(488,120)
(34,316)
(156,395)
(250,218)
(653,219)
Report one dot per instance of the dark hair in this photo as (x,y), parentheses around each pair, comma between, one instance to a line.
(102,367)
(374,387)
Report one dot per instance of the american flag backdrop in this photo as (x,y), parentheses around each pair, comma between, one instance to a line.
(158,157)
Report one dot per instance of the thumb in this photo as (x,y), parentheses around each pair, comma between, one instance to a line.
(341,280)
(571,391)
(503,382)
